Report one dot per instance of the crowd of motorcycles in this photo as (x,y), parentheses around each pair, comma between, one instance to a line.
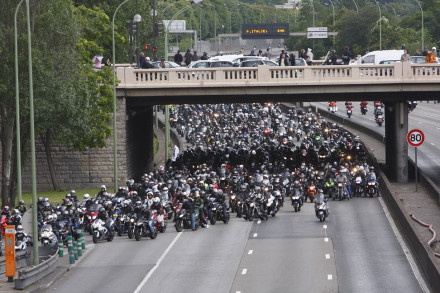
(247,159)
(378,106)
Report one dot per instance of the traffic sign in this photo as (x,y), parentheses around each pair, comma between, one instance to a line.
(317,35)
(415,137)
(317,29)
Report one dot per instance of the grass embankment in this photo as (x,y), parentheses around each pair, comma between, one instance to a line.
(58,196)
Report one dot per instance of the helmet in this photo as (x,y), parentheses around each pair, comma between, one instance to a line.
(19,228)
(101,209)
(86,196)
(46,199)
(156,200)
(165,188)
(6,209)
(72,192)
(149,193)
(66,201)
(50,218)
(371,168)
(40,199)
(21,202)
(103,186)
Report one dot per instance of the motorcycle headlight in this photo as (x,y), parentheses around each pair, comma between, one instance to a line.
(213,209)
(295,197)
(94,217)
(233,197)
(252,204)
(269,204)
(131,220)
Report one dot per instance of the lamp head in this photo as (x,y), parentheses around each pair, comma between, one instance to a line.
(137,18)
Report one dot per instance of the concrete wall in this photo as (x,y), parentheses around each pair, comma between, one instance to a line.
(87,169)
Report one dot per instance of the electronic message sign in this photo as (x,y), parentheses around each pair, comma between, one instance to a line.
(265,31)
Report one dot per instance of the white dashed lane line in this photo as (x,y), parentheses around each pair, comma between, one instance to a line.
(327,256)
(329,277)
(255,235)
(325,239)
(244,271)
(250,252)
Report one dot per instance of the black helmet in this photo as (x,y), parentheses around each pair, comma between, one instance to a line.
(101,209)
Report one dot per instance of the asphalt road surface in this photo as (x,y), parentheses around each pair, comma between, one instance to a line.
(356,250)
(425,117)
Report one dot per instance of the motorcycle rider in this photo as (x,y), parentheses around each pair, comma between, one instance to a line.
(199,204)
(104,216)
(21,207)
(341,178)
(320,198)
(371,176)
(6,211)
(188,205)
(21,236)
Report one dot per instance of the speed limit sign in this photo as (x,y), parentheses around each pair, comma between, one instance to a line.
(415,137)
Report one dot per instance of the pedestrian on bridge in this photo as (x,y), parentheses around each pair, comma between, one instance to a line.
(188,57)
(178,58)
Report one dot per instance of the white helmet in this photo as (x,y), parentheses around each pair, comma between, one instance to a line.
(86,196)
(156,200)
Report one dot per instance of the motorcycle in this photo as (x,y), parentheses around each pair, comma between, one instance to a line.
(142,228)
(379,120)
(100,231)
(371,188)
(90,217)
(48,236)
(358,189)
(161,220)
(311,192)
(296,201)
(272,206)
(364,110)
(183,218)
(321,210)
(349,111)
(298,134)
(341,191)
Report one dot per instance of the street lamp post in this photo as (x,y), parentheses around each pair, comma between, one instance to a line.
(17,106)
(380,26)
(423,41)
(33,163)
(334,35)
(167,109)
(357,9)
(115,140)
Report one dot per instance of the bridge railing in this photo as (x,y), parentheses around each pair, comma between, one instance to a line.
(270,75)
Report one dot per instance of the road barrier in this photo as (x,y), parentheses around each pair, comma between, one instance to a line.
(48,257)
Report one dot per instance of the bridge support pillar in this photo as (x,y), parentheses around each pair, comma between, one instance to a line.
(396,146)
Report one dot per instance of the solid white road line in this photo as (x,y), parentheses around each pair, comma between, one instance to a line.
(244,271)
(405,249)
(327,256)
(329,277)
(250,252)
(145,279)
(325,226)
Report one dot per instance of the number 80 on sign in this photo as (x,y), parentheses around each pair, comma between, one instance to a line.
(415,137)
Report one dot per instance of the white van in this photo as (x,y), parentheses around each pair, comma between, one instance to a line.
(375,57)
(236,59)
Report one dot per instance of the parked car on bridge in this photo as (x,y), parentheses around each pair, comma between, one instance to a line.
(209,63)
(168,64)
(256,62)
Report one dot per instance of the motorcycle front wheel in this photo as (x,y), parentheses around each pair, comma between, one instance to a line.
(110,238)
(130,232)
(137,233)
(178,225)
(95,237)
(154,234)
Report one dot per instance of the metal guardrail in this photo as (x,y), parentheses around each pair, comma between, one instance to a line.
(36,273)
(22,259)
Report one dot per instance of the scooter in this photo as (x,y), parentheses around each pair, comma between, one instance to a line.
(321,210)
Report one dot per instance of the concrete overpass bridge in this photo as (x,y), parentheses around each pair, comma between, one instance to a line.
(139,89)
